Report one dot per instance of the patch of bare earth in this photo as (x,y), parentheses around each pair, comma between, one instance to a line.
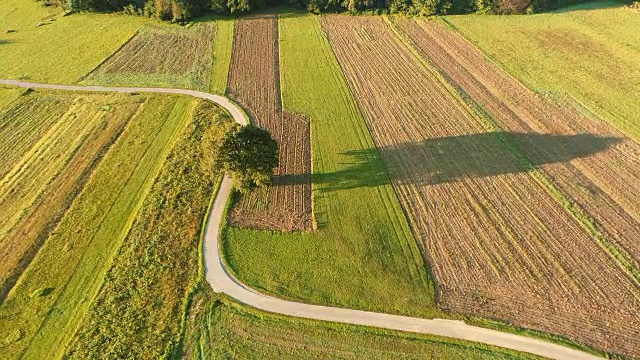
(254,83)
(499,244)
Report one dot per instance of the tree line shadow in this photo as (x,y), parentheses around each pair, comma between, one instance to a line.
(450,159)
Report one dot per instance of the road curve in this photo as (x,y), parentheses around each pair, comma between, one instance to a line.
(222,280)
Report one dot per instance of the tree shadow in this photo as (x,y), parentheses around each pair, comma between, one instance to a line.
(454,158)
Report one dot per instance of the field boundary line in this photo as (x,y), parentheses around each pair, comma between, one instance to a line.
(222,281)
(105,60)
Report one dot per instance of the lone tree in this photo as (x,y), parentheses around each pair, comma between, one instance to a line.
(249,154)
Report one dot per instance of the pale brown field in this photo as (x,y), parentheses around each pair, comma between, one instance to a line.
(254,83)
(602,180)
(499,244)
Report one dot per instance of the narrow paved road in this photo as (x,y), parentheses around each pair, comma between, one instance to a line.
(222,281)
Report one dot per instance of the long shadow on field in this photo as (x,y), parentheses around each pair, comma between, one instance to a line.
(451,159)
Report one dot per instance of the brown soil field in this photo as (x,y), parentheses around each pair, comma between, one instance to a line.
(499,244)
(165,53)
(602,176)
(254,83)
(44,179)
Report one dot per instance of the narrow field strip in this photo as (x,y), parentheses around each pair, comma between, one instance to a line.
(475,207)
(222,46)
(254,81)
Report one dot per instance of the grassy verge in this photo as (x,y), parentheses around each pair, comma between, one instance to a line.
(590,55)
(50,299)
(49,47)
(221,328)
(363,254)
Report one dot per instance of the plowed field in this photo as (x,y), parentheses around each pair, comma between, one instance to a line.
(254,83)
(601,174)
(500,245)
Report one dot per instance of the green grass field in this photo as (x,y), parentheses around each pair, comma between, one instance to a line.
(363,254)
(221,55)
(588,52)
(63,48)
(51,297)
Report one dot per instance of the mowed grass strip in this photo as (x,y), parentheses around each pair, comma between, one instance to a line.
(48,47)
(43,183)
(221,329)
(363,254)
(221,55)
(591,55)
(163,56)
(140,307)
(44,308)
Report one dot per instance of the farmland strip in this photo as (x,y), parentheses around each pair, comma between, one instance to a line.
(161,55)
(254,81)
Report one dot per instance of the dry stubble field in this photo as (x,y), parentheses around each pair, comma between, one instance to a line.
(254,81)
(599,171)
(500,245)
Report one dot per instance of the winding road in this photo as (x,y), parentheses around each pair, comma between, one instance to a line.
(222,280)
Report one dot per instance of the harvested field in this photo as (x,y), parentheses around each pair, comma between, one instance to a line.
(500,245)
(51,297)
(162,56)
(51,151)
(602,180)
(254,81)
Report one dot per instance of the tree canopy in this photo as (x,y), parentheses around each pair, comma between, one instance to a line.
(182,10)
(249,154)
